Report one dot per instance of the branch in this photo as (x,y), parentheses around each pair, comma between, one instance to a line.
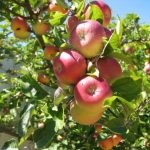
(29,8)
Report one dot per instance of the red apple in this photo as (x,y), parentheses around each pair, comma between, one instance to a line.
(53,7)
(20,28)
(90,93)
(69,67)
(109,68)
(42,78)
(98,128)
(116,139)
(50,52)
(106,144)
(108,32)
(41,28)
(103,7)
(147,68)
(83,116)
(87,37)
(71,23)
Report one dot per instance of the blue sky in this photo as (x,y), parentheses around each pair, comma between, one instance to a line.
(122,7)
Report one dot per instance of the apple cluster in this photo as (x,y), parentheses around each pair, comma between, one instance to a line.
(71,66)
(86,38)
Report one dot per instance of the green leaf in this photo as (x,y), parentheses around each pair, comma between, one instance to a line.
(10,145)
(96,13)
(80,8)
(119,28)
(127,87)
(25,119)
(43,137)
(116,125)
(59,96)
(62,3)
(112,44)
(57,19)
(40,92)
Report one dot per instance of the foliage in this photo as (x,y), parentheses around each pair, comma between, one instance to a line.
(27,107)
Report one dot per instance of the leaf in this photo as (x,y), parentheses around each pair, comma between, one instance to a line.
(40,92)
(62,3)
(127,87)
(43,137)
(59,96)
(10,145)
(25,119)
(116,125)
(80,8)
(119,28)
(112,44)
(57,19)
(96,13)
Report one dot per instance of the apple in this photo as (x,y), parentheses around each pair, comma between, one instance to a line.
(109,68)
(83,116)
(50,52)
(98,128)
(20,28)
(91,92)
(53,7)
(106,144)
(103,7)
(69,66)
(116,139)
(128,49)
(148,51)
(71,23)
(87,38)
(41,28)
(147,68)
(42,78)
(108,32)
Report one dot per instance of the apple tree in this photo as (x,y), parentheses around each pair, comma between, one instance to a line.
(73,76)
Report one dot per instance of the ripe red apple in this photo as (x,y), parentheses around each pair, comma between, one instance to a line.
(53,7)
(69,67)
(71,23)
(103,7)
(147,68)
(109,68)
(41,28)
(20,28)
(106,144)
(42,78)
(91,92)
(50,52)
(83,116)
(87,37)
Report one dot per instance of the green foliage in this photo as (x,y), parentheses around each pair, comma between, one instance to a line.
(39,113)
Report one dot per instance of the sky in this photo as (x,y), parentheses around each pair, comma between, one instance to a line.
(122,7)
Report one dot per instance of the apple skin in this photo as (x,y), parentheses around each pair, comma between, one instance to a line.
(71,23)
(108,32)
(106,144)
(41,28)
(50,52)
(147,68)
(98,128)
(116,139)
(82,115)
(91,92)
(42,78)
(69,67)
(20,28)
(55,7)
(106,10)
(87,37)
(109,68)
